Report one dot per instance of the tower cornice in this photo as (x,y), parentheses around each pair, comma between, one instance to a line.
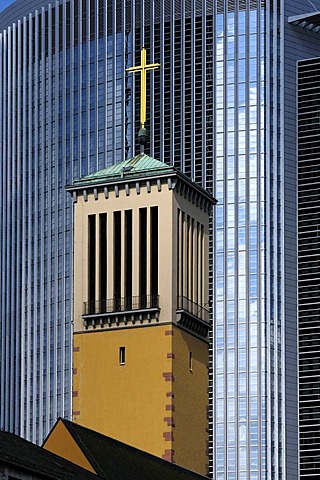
(140,171)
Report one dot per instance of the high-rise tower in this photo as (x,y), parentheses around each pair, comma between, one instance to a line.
(141,319)
(229,72)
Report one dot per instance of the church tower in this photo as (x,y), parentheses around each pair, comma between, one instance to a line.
(141,315)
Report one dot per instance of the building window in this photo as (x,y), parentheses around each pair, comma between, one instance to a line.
(103,258)
(128,261)
(190,262)
(143,257)
(190,361)
(117,261)
(92,262)
(154,248)
(122,355)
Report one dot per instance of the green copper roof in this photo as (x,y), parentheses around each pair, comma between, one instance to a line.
(140,165)
(135,168)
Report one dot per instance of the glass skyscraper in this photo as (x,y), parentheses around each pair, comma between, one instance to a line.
(223,110)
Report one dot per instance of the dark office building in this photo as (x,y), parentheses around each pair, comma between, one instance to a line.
(309,265)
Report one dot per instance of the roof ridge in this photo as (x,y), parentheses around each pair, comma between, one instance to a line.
(83,447)
(130,447)
(33,465)
(140,164)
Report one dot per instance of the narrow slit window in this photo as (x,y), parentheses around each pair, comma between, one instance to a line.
(128,259)
(103,259)
(190,260)
(117,261)
(190,361)
(201,265)
(187,254)
(178,252)
(143,257)
(92,262)
(122,355)
(182,249)
(154,248)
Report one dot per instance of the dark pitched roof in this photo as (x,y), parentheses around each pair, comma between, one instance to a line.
(114,460)
(23,455)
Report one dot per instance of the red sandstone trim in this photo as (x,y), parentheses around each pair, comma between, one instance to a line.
(76,412)
(169,455)
(75,393)
(76,349)
(168,376)
(171,355)
(168,332)
(74,371)
(168,436)
(170,421)
(170,408)
(170,394)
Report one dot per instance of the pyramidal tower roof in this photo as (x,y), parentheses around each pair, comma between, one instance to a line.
(142,167)
(139,166)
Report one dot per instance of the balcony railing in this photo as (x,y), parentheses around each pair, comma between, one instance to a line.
(121,304)
(183,303)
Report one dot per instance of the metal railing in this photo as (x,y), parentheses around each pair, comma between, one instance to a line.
(184,303)
(120,304)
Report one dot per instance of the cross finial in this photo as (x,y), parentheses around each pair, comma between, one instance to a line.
(143,71)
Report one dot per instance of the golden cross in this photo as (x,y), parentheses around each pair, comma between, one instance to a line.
(143,71)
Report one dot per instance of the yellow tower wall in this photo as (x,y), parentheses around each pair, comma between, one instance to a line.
(190,388)
(127,402)
(154,401)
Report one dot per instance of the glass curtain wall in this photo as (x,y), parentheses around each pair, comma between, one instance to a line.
(67,109)
(240,309)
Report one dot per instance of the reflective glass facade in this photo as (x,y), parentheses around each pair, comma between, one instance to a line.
(240,344)
(222,109)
